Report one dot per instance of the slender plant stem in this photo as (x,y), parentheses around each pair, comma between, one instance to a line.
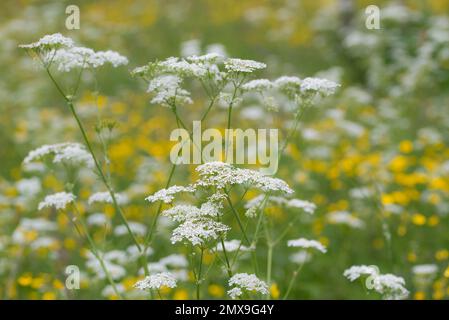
(97,164)
(95,251)
(290,285)
(198,280)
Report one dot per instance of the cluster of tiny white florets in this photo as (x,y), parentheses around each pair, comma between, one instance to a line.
(241,65)
(199,231)
(167,91)
(80,57)
(67,152)
(157,281)
(246,282)
(391,287)
(219,174)
(58,200)
(58,50)
(231,246)
(317,85)
(307,244)
(181,213)
(168,195)
(49,42)
(304,205)
(257,85)
(105,197)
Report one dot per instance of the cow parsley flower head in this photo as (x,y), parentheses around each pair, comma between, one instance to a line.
(80,57)
(219,174)
(105,197)
(157,281)
(198,231)
(306,244)
(247,282)
(58,200)
(206,58)
(167,91)
(49,42)
(181,213)
(304,205)
(355,272)
(390,286)
(67,152)
(231,246)
(244,66)
(167,195)
(257,85)
(323,87)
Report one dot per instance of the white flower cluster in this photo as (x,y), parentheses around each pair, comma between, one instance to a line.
(60,50)
(198,231)
(244,66)
(323,87)
(247,282)
(425,269)
(391,287)
(67,152)
(136,228)
(181,213)
(157,281)
(105,197)
(257,85)
(306,244)
(231,246)
(49,42)
(80,57)
(167,195)
(167,91)
(58,200)
(219,174)
(304,205)
(344,217)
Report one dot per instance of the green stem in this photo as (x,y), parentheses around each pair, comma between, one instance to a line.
(198,280)
(290,285)
(97,164)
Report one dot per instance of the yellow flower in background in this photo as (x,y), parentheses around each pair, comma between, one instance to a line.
(419,219)
(181,294)
(216,290)
(274,291)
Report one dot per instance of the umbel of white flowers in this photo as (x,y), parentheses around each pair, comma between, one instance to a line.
(391,287)
(55,49)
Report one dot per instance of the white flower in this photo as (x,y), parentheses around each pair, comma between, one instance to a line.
(322,86)
(58,200)
(219,174)
(287,82)
(198,231)
(206,58)
(257,85)
(136,228)
(390,286)
(175,261)
(304,205)
(167,91)
(305,243)
(167,195)
(80,57)
(67,152)
(344,217)
(181,213)
(97,219)
(247,282)
(425,269)
(49,42)
(106,198)
(356,272)
(157,281)
(231,246)
(301,257)
(245,66)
